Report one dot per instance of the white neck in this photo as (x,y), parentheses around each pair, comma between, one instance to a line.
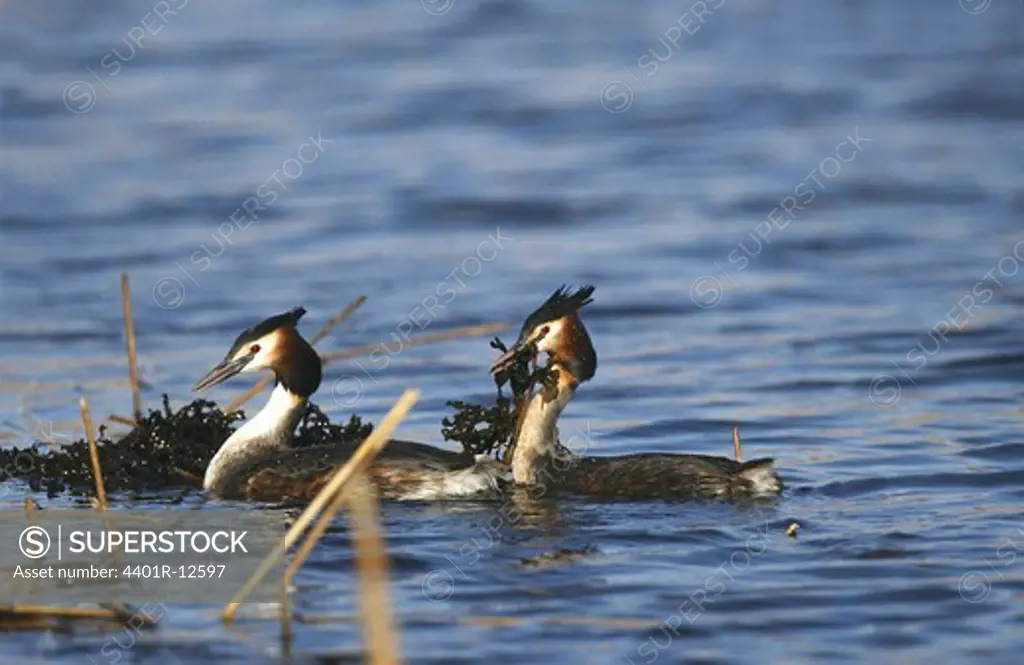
(268,431)
(538,436)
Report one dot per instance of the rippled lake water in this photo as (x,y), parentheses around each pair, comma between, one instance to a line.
(803,217)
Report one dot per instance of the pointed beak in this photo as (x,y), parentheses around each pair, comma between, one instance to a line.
(507,360)
(512,364)
(221,372)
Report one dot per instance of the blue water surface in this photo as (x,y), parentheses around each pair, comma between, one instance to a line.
(804,217)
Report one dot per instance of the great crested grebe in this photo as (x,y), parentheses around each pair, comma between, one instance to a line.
(257,461)
(539,459)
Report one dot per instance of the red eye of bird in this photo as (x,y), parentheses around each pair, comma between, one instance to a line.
(255,348)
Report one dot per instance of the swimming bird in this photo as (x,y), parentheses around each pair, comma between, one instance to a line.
(538,458)
(259,463)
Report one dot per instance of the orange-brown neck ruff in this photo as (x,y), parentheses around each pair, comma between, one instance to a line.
(296,364)
(574,351)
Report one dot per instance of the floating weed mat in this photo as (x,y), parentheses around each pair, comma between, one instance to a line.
(167,449)
(481,430)
(316,429)
(491,430)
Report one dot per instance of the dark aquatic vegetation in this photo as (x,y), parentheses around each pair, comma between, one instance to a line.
(491,430)
(481,430)
(167,449)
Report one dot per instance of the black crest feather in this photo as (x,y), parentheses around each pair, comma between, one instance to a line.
(562,302)
(265,327)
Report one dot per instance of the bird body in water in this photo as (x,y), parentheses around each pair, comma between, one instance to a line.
(258,462)
(539,459)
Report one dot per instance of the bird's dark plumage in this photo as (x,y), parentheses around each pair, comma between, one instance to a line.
(561,303)
(666,476)
(265,327)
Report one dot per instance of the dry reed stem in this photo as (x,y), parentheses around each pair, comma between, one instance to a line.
(736,449)
(94,453)
(248,395)
(338,319)
(300,558)
(286,613)
(371,561)
(123,420)
(315,534)
(335,321)
(379,634)
(126,612)
(367,451)
(133,366)
(456,333)
(47,611)
(190,477)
